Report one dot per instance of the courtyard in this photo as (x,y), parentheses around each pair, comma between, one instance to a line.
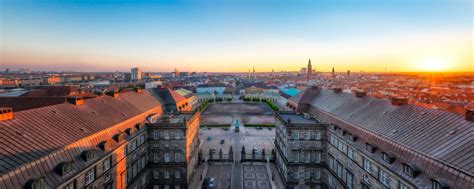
(217,132)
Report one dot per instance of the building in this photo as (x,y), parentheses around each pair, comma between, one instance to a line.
(174,149)
(300,145)
(172,101)
(94,143)
(136,74)
(310,70)
(378,143)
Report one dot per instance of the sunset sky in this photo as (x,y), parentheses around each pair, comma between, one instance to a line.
(231,35)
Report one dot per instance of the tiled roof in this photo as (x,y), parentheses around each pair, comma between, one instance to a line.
(26,103)
(35,133)
(441,135)
(168,95)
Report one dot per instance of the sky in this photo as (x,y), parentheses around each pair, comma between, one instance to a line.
(235,36)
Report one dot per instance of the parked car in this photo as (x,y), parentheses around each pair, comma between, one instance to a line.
(209,138)
(212,183)
(222,141)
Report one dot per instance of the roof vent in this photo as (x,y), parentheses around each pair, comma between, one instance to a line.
(6,113)
(337,90)
(75,100)
(113,93)
(360,94)
(398,101)
(470,115)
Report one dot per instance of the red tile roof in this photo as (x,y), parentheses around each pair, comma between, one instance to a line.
(38,132)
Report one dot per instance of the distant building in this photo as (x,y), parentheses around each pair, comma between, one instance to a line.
(309,69)
(153,84)
(136,74)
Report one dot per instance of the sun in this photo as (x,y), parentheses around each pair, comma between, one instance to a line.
(434,64)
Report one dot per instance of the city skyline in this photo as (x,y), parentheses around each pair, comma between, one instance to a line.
(208,36)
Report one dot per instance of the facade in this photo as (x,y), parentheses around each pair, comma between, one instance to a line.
(376,143)
(174,146)
(136,74)
(300,145)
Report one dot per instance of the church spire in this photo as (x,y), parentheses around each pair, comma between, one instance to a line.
(309,70)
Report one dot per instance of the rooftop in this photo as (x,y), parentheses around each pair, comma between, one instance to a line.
(298,119)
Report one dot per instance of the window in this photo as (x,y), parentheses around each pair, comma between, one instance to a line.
(384,178)
(177,174)
(177,186)
(156,174)
(142,139)
(307,157)
(143,181)
(107,163)
(36,184)
(367,165)
(296,135)
(339,170)
(318,157)
(156,186)
(407,169)
(167,157)
(330,182)
(71,185)
(437,185)
(350,153)
(386,157)
(134,144)
(349,180)
(167,135)
(90,176)
(156,157)
(296,156)
(156,135)
(142,161)
(403,186)
(318,135)
(306,135)
(317,174)
(177,157)
(177,135)
(167,174)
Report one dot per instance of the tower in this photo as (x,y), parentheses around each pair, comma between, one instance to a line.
(333,73)
(309,70)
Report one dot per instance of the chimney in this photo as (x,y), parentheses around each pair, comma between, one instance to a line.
(398,101)
(360,94)
(337,90)
(470,115)
(114,93)
(6,113)
(75,100)
(138,90)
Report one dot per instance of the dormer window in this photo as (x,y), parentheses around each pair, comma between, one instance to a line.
(36,183)
(369,147)
(64,168)
(352,138)
(410,170)
(87,155)
(388,157)
(119,137)
(105,145)
(436,184)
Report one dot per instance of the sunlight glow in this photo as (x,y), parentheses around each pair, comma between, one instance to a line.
(434,64)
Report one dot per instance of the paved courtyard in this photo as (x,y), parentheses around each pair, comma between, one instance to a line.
(222,173)
(255,176)
(248,175)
